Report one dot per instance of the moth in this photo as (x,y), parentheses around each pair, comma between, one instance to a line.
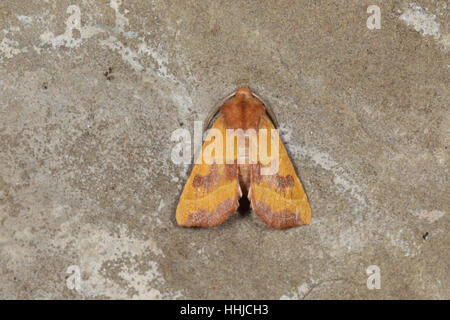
(239,166)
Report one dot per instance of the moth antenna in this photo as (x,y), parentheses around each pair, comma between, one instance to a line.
(268,110)
(215,110)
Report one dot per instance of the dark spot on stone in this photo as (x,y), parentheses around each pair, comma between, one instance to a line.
(45,86)
(108,74)
(76,34)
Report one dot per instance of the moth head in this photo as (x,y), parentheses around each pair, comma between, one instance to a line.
(244,91)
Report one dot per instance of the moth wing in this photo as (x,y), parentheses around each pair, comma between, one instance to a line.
(278,199)
(211,193)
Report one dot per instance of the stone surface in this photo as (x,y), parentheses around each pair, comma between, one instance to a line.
(92,90)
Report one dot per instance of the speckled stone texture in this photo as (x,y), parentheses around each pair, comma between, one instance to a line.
(91,92)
